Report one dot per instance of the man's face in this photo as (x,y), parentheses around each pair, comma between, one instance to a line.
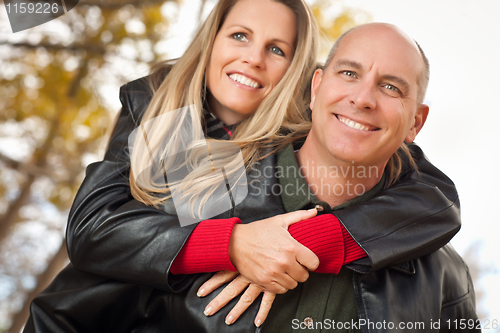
(365,103)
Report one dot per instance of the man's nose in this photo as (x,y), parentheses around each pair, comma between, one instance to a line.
(254,55)
(363,96)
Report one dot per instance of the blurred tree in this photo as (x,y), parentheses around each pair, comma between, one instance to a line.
(54,116)
(55,112)
(334,18)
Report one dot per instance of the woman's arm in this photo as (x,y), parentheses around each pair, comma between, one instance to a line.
(412,218)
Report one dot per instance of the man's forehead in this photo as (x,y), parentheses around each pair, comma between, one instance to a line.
(380,45)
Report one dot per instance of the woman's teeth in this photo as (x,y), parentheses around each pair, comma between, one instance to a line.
(353,124)
(244,80)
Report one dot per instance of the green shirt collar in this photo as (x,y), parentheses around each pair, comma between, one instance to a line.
(296,193)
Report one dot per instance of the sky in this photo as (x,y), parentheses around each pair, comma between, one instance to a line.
(461,40)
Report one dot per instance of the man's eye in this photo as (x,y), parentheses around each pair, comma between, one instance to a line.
(348,73)
(391,87)
(240,36)
(277,51)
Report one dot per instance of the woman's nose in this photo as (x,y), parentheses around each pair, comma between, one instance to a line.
(254,56)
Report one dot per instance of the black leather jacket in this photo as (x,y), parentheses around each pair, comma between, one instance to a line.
(111,234)
(435,288)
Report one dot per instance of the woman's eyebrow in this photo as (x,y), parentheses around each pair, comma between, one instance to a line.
(240,26)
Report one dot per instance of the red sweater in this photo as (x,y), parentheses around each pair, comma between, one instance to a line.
(206,250)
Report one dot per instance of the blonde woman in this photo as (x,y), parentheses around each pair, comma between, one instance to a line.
(244,77)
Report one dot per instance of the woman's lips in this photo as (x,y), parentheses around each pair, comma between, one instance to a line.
(245,80)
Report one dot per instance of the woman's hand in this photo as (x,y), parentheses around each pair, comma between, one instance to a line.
(234,288)
(266,255)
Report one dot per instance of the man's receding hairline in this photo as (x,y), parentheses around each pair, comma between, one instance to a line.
(422,77)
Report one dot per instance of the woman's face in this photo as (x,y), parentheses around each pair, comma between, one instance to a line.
(251,53)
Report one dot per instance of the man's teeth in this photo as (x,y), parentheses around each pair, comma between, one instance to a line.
(244,80)
(353,124)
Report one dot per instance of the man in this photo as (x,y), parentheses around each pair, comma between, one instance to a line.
(366,103)
(370,94)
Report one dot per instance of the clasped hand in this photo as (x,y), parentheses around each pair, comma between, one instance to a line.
(268,259)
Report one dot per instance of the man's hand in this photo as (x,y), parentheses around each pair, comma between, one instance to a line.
(265,254)
(235,287)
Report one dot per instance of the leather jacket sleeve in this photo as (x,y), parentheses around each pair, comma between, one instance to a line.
(111,234)
(415,216)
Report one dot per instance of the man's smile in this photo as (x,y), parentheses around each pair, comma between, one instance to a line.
(353,124)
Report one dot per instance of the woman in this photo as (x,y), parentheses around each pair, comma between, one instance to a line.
(112,235)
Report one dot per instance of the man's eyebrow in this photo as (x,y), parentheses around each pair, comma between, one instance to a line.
(348,63)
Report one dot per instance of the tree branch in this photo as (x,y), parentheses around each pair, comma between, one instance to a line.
(11,163)
(43,280)
(29,169)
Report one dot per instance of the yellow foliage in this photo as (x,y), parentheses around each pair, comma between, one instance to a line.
(334,25)
(58,89)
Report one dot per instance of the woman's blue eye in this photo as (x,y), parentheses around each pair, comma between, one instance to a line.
(239,36)
(277,51)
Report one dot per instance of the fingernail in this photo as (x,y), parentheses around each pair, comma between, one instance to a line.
(258,323)
(208,311)
(311,210)
(229,320)
(201,292)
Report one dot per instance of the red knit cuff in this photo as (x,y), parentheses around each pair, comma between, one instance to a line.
(352,250)
(323,235)
(206,250)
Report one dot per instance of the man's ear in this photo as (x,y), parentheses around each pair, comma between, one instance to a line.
(316,80)
(418,122)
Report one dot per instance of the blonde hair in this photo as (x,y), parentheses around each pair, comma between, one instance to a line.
(280,116)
